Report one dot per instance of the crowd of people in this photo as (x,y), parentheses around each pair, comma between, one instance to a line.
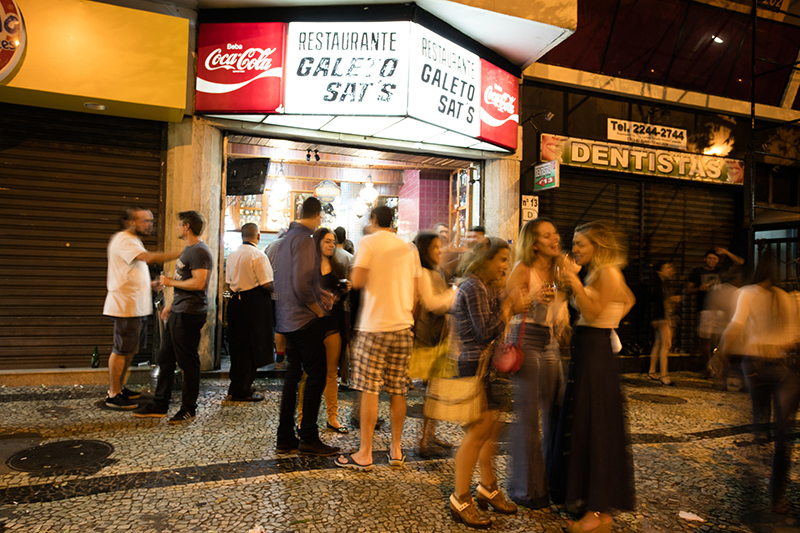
(425,309)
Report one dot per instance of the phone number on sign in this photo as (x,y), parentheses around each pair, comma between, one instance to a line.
(654,135)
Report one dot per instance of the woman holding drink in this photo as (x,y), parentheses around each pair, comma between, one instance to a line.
(591,468)
(539,385)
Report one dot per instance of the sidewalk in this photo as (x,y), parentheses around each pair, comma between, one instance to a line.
(219,473)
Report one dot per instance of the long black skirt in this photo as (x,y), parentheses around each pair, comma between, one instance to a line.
(591,468)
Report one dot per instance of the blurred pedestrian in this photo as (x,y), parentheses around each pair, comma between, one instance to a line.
(129,300)
(386,269)
(430,326)
(663,301)
(301,318)
(185,319)
(333,278)
(280,340)
(767,318)
(539,384)
(592,470)
(249,275)
(479,318)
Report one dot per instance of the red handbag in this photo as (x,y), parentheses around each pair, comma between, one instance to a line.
(508,355)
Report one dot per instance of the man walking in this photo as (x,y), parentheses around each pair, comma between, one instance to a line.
(249,275)
(387,269)
(129,301)
(185,318)
(299,313)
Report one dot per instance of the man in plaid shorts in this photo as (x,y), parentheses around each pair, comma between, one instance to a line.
(386,269)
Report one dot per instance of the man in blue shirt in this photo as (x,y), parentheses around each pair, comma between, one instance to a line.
(299,310)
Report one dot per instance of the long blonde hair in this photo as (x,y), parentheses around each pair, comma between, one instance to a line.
(528,236)
(609,251)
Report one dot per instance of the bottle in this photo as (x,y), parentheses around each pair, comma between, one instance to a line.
(95,358)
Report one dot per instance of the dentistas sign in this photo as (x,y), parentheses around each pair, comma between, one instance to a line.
(641,160)
(347,68)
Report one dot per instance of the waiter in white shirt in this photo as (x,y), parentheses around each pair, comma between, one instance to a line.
(249,275)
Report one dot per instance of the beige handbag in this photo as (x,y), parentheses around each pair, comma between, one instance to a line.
(461,400)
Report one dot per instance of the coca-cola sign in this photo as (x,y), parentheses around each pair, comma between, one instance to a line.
(499,106)
(240,68)
(12,37)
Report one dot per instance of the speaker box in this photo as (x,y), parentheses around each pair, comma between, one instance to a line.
(247,176)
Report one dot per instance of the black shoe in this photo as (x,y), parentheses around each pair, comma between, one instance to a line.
(120,402)
(150,410)
(181,416)
(318,448)
(287,447)
(254,397)
(131,394)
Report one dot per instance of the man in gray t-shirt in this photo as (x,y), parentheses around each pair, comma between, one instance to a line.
(185,318)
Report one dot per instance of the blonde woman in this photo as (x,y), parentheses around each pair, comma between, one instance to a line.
(539,385)
(592,470)
(479,318)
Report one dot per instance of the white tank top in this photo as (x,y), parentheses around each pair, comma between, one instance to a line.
(608,318)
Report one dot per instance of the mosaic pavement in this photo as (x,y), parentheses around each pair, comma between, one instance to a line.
(692,448)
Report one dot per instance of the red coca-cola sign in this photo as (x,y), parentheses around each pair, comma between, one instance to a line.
(240,68)
(499,106)
(12,37)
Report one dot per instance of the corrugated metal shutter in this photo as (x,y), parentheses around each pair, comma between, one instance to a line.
(663,221)
(64,179)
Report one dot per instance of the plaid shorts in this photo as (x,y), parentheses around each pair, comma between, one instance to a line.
(381,360)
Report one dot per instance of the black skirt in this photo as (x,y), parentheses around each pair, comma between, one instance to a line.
(591,467)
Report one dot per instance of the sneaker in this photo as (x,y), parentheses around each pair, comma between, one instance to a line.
(150,410)
(181,416)
(281,365)
(318,448)
(131,394)
(120,402)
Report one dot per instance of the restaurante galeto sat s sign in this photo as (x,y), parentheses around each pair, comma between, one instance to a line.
(367,69)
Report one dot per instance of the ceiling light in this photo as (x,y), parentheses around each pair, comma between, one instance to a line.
(368,194)
(95,106)
(316,155)
(308,155)
(717,39)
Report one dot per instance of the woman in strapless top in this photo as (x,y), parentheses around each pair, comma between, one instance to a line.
(592,469)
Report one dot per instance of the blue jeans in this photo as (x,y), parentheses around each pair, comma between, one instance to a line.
(774,386)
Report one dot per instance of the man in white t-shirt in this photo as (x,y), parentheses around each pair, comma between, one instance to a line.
(386,270)
(129,301)
(249,275)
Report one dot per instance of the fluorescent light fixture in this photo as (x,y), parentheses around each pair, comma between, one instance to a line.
(366,126)
(451,138)
(94,106)
(306,122)
(243,118)
(410,129)
(717,39)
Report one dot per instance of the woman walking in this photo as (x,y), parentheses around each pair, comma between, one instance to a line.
(592,469)
(539,385)
(663,302)
(435,299)
(479,318)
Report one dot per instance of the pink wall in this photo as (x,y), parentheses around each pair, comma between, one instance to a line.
(433,202)
(408,208)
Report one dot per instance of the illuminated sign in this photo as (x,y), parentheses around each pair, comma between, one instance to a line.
(499,106)
(240,68)
(445,83)
(347,68)
(327,191)
(641,160)
(12,37)
(546,176)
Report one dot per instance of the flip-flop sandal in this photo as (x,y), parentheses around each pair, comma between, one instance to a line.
(351,463)
(654,377)
(396,462)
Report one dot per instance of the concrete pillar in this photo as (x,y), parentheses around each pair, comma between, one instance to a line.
(501,197)
(194,182)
